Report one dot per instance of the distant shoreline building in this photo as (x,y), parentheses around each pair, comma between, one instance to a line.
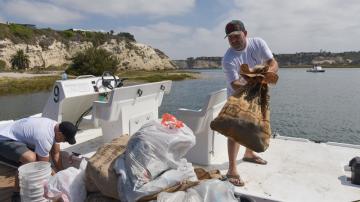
(85,30)
(31,26)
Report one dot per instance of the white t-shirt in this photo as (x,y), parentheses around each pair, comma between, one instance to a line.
(255,53)
(37,133)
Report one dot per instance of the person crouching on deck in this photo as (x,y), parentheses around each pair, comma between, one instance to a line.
(35,139)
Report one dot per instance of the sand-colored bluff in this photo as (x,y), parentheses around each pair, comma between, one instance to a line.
(132,55)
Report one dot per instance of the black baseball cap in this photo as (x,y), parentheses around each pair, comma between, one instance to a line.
(69,131)
(234,27)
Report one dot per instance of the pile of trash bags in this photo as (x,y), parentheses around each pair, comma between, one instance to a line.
(153,160)
(149,165)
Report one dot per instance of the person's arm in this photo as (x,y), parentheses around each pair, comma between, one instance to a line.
(237,84)
(56,156)
(40,158)
(232,75)
(273,65)
(265,53)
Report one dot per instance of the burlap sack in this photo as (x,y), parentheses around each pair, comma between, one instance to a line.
(245,117)
(100,175)
(98,197)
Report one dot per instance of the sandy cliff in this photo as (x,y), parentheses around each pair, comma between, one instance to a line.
(132,55)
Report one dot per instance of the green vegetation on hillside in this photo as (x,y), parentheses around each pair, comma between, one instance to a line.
(20,60)
(2,65)
(93,61)
(18,33)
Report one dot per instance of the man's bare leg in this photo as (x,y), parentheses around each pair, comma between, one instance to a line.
(232,174)
(233,150)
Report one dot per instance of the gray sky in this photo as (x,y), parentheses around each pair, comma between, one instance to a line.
(193,28)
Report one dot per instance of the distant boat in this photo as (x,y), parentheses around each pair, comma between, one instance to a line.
(316,68)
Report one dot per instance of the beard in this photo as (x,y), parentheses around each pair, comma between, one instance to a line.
(238,46)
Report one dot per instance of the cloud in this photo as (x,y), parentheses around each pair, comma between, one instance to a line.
(160,31)
(163,35)
(302,26)
(180,42)
(2,20)
(286,26)
(115,8)
(39,12)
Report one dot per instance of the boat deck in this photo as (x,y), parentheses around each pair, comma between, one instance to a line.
(7,182)
(297,169)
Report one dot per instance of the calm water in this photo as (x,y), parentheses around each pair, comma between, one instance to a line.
(317,106)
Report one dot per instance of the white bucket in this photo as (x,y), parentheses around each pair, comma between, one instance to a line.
(32,177)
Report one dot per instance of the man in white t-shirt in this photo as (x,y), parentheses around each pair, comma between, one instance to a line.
(243,50)
(34,139)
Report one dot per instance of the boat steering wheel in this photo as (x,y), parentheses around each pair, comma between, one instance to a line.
(107,82)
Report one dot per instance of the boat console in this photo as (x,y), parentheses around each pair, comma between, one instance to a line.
(70,99)
(117,110)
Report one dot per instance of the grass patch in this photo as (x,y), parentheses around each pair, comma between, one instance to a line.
(15,86)
(155,76)
(26,85)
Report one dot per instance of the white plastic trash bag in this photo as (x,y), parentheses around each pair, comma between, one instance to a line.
(68,185)
(212,190)
(215,190)
(169,178)
(188,196)
(154,149)
(172,197)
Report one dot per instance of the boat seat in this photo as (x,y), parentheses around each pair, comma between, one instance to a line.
(199,121)
(128,108)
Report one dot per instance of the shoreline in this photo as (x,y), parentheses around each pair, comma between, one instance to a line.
(24,75)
